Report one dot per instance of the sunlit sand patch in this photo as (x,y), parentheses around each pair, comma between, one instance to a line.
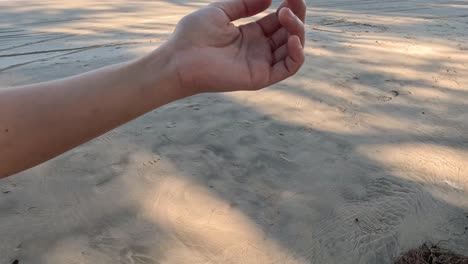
(427,163)
(203,226)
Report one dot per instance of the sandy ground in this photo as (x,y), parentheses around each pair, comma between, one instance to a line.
(361,156)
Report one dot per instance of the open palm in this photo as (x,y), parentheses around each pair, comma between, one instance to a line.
(214,55)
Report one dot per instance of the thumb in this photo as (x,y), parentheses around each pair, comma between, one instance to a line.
(236,9)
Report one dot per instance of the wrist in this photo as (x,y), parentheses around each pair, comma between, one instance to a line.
(158,73)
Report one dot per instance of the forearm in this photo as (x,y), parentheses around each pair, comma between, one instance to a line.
(39,122)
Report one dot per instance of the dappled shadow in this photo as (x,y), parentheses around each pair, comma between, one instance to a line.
(358,158)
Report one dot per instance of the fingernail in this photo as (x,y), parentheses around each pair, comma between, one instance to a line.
(286,9)
(300,44)
(291,14)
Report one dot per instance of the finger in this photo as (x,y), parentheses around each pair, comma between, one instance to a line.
(269,24)
(236,9)
(279,38)
(293,62)
(291,26)
(292,23)
(280,53)
(297,6)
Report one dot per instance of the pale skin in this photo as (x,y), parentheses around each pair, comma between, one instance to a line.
(41,121)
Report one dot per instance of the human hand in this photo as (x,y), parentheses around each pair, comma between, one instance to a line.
(210,54)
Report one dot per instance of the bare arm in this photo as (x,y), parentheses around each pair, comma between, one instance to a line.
(41,121)
(38,122)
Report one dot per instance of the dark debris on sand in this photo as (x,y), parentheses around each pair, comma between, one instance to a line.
(431,255)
